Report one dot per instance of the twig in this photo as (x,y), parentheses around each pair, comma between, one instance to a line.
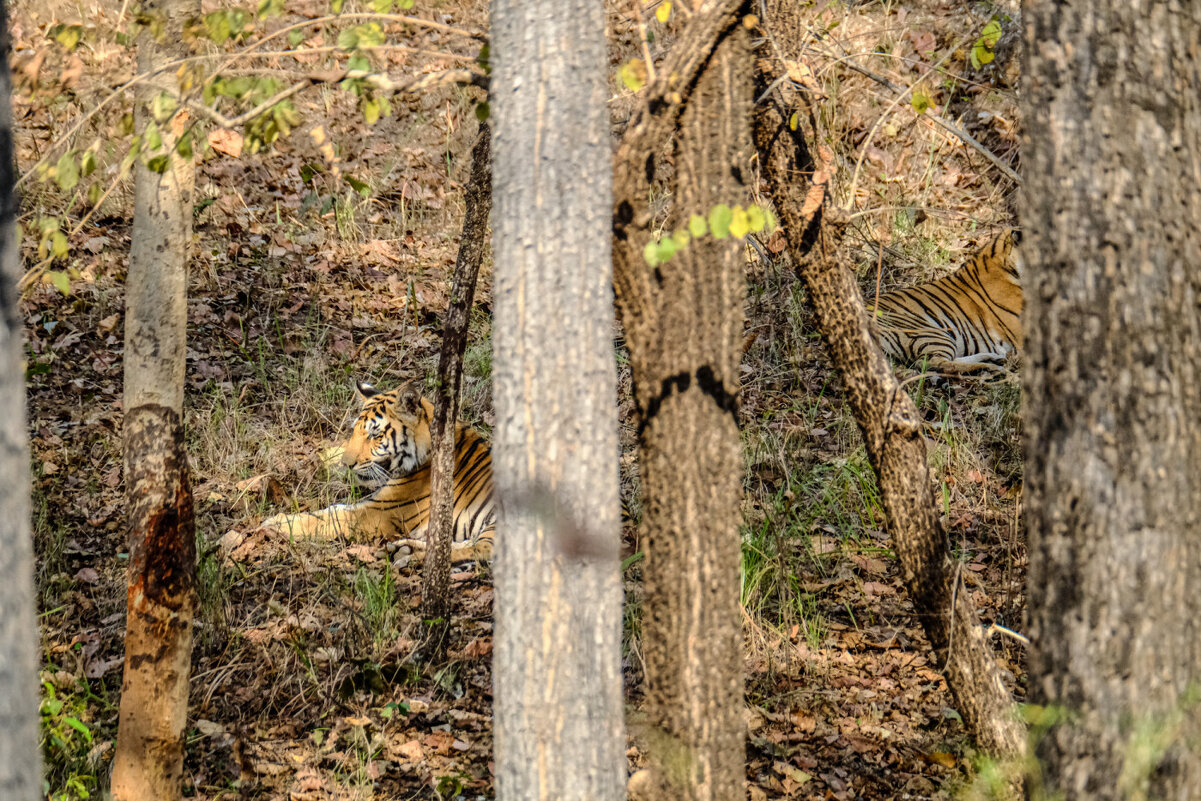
(950,127)
(876,126)
(646,46)
(253,51)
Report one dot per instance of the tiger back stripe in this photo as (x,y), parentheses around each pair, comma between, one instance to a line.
(963,322)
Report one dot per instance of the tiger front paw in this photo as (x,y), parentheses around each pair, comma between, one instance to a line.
(407,552)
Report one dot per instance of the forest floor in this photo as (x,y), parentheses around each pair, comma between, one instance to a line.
(304,685)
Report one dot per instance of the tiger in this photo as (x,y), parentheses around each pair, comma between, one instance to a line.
(968,321)
(389,453)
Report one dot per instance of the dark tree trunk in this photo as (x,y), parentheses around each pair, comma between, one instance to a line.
(435,586)
(148,761)
(684,321)
(557,661)
(889,422)
(1112,212)
(20,766)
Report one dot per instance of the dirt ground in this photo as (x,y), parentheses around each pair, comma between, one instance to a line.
(305,683)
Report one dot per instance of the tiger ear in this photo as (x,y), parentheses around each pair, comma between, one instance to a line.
(365,390)
(409,401)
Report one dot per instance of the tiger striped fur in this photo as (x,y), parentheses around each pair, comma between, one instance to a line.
(965,322)
(389,452)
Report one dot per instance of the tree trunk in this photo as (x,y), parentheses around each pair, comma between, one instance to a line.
(435,586)
(1112,214)
(557,661)
(20,765)
(684,327)
(890,425)
(147,764)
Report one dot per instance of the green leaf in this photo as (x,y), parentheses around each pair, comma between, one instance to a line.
(348,39)
(58,245)
(158,163)
(920,100)
(740,225)
(756,218)
(982,50)
(371,110)
(163,107)
(697,226)
(650,253)
(482,111)
(94,193)
(88,163)
(720,217)
(184,146)
(633,74)
(218,27)
(406,5)
(75,723)
(381,6)
(270,8)
(666,249)
(336,6)
(67,35)
(152,138)
(681,238)
(793,121)
(66,171)
(295,38)
(125,126)
(358,186)
(370,34)
(358,62)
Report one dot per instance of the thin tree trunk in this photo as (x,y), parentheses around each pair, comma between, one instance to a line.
(20,765)
(684,328)
(557,661)
(1112,214)
(147,765)
(892,432)
(435,587)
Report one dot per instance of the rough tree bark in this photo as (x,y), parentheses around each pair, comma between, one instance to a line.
(557,660)
(20,766)
(1112,217)
(435,585)
(683,321)
(148,762)
(889,423)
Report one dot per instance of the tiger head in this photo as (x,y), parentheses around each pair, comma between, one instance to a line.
(391,437)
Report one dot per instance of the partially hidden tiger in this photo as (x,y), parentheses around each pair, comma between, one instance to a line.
(966,322)
(389,453)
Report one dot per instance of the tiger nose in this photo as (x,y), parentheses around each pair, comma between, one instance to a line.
(348,459)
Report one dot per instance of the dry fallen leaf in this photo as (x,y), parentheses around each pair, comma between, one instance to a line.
(226,142)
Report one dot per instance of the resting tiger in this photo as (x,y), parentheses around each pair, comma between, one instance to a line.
(967,321)
(389,451)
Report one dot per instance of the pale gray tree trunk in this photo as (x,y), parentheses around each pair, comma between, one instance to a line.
(557,661)
(20,766)
(1112,212)
(148,762)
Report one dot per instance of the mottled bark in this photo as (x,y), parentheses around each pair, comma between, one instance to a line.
(1112,247)
(435,585)
(557,662)
(20,766)
(148,760)
(890,424)
(683,321)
